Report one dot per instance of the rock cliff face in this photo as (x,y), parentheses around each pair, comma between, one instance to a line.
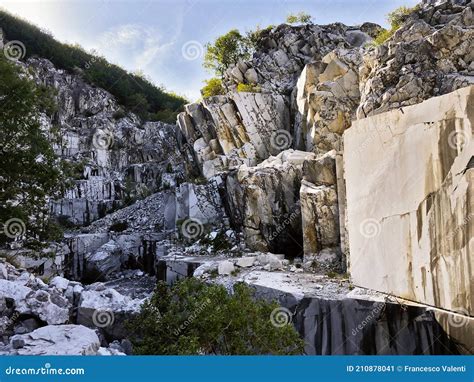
(114,155)
(430,55)
(338,137)
(420,245)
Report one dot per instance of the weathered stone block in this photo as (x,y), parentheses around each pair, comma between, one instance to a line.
(410,206)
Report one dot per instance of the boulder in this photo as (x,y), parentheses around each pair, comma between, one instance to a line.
(57,340)
(246,262)
(104,261)
(226,267)
(49,306)
(106,309)
(59,282)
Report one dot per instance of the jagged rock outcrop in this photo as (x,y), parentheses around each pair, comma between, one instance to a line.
(201,203)
(327,94)
(113,155)
(265,201)
(284,51)
(430,55)
(28,295)
(239,128)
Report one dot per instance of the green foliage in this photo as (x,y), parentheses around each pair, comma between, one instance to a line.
(383,36)
(301,17)
(248,88)
(196,318)
(29,170)
(134,91)
(213,87)
(226,51)
(395,18)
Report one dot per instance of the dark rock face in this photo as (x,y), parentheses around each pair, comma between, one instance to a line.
(115,157)
(363,327)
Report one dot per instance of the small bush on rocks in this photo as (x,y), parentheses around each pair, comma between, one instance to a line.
(196,318)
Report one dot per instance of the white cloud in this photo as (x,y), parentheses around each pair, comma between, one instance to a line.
(134,46)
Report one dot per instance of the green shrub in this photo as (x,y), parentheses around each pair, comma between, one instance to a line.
(196,318)
(395,18)
(248,88)
(212,88)
(301,17)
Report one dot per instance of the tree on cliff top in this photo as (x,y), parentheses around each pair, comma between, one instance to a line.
(395,18)
(226,51)
(28,168)
(301,17)
(196,318)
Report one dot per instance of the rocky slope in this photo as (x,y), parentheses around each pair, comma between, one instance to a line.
(251,186)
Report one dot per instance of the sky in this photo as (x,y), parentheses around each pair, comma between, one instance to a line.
(165,39)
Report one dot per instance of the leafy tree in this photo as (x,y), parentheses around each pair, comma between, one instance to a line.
(213,87)
(301,17)
(395,18)
(226,51)
(196,318)
(29,171)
